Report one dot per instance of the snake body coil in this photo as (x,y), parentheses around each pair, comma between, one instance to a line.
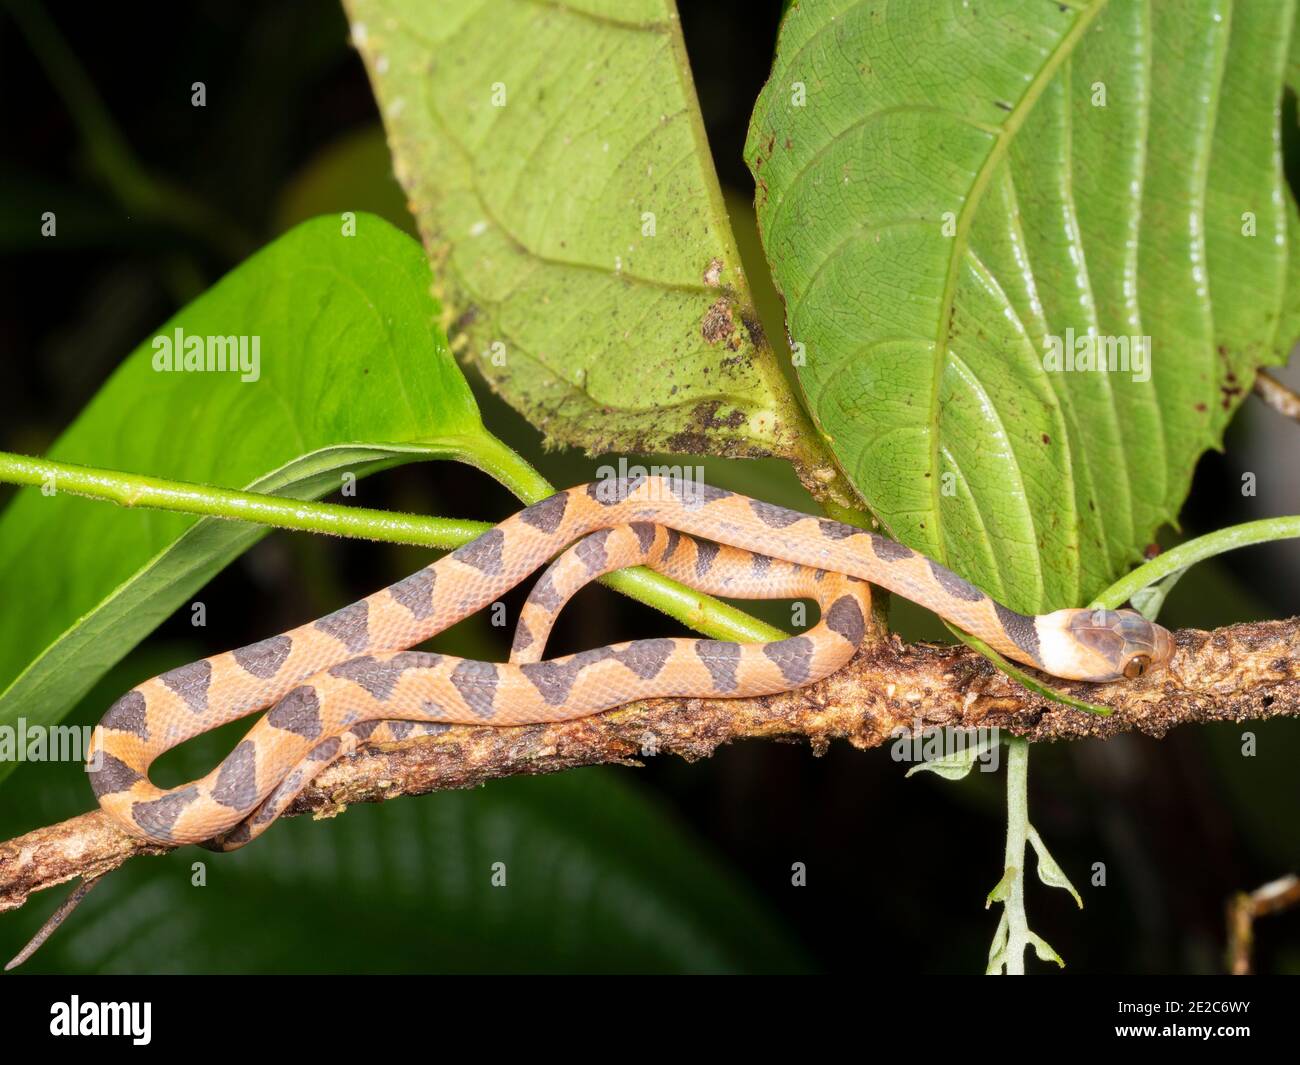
(349,678)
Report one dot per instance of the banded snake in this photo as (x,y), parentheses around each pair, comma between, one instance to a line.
(350,678)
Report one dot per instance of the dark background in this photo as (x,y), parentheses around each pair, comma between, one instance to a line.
(898,869)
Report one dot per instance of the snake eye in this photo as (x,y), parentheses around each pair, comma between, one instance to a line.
(1136,666)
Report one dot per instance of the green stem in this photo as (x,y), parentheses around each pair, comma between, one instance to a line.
(1193,551)
(700,612)
(1024,679)
(507,467)
(137,490)
(1014,857)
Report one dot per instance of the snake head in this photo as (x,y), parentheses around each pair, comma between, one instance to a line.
(1102,645)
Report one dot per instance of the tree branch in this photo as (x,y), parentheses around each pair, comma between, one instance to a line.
(1238,673)
(1245,908)
(1277,395)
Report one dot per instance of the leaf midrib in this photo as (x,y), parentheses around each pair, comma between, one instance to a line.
(965,219)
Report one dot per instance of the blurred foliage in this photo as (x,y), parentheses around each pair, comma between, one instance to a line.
(353,173)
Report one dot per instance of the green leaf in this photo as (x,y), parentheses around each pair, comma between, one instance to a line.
(1049,872)
(943,188)
(1000,889)
(1044,949)
(537,144)
(998,948)
(354,377)
(957,765)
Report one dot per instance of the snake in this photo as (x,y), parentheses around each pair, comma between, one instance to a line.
(351,678)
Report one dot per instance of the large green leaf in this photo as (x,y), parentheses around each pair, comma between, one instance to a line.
(537,213)
(941,188)
(354,376)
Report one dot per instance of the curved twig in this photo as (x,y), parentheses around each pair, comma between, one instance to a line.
(1277,395)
